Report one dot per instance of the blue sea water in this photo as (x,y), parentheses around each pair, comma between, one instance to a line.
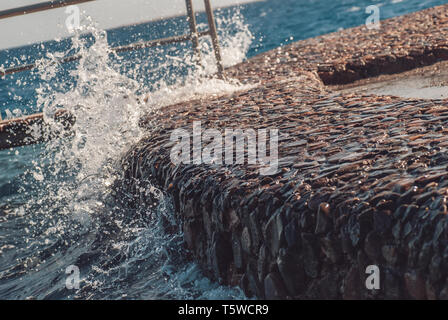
(272,23)
(50,217)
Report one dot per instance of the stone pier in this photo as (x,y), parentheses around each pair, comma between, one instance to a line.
(362,179)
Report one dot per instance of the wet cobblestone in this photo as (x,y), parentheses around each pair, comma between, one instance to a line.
(362,179)
(401,44)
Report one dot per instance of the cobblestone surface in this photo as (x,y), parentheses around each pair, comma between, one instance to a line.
(362,179)
(402,43)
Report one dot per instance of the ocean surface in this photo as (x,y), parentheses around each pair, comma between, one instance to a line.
(58,207)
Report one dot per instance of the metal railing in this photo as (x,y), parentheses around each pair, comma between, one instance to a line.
(13,132)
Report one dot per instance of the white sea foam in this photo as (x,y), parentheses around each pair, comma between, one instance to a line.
(71,182)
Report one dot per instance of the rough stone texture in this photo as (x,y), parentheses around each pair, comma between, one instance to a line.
(401,44)
(362,179)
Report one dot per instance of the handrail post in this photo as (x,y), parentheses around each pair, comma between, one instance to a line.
(17,130)
(214,35)
(193,29)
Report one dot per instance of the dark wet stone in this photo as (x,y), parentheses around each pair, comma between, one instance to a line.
(191,233)
(262,264)
(407,229)
(233,219)
(291,271)
(415,285)
(443,295)
(253,287)
(425,255)
(372,246)
(347,247)
(310,255)
(331,248)
(392,284)
(306,221)
(386,196)
(317,199)
(328,287)
(207,224)
(425,197)
(356,233)
(440,228)
(324,220)
(254,228)
(246,241)
(363,261)
(274,289)
(221,255)
(431,291)
(384,204)
(383,221)
(366,219)
(292,235)
(352,285)
(435,269)
(274,233)
(244,285)
(237,253)
(400,211)
(390,254)
(407,196)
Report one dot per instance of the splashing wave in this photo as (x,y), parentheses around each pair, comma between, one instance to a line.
(69,212)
